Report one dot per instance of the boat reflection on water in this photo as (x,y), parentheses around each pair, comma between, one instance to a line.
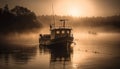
(60,56)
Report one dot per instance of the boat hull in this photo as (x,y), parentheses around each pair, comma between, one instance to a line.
(63,41)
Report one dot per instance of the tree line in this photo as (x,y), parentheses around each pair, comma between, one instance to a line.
(17,19)
(108,23)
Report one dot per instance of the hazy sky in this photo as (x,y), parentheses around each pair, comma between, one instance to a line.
(69,7)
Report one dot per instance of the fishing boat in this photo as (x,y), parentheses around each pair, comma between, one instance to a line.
(59,35)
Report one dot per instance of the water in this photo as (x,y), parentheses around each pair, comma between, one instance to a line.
(91,51)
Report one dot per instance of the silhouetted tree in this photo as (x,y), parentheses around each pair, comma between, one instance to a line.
(18,19)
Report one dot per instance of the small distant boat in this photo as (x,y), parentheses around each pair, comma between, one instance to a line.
(59,35)
(93,33)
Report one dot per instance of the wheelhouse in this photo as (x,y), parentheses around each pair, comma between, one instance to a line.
(60,32)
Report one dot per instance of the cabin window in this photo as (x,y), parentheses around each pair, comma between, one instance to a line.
(63,32)
(68,32)
(57,32)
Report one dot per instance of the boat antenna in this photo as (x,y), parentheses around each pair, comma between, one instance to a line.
(53,14)
(64,21)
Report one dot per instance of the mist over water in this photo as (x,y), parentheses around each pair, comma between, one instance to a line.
(97,50)
(96,38)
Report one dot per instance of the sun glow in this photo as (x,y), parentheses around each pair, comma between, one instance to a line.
(74,12)
(75,8)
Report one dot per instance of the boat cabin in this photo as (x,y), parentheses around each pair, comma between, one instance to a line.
(58,35)
(61,31)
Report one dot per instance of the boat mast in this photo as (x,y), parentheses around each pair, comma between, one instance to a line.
(53,14)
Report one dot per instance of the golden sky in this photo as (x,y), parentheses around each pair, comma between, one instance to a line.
(69,7)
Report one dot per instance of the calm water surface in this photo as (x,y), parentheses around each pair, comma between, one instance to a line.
(90,51)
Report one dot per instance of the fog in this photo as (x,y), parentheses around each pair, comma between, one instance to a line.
(20,39)
(81,27)
(97,24)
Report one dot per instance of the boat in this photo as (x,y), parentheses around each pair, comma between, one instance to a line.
(92,32)
(59,35)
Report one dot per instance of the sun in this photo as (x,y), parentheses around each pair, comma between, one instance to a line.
(74,12)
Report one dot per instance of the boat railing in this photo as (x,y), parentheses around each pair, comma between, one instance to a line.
(60,27)
(45,36)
